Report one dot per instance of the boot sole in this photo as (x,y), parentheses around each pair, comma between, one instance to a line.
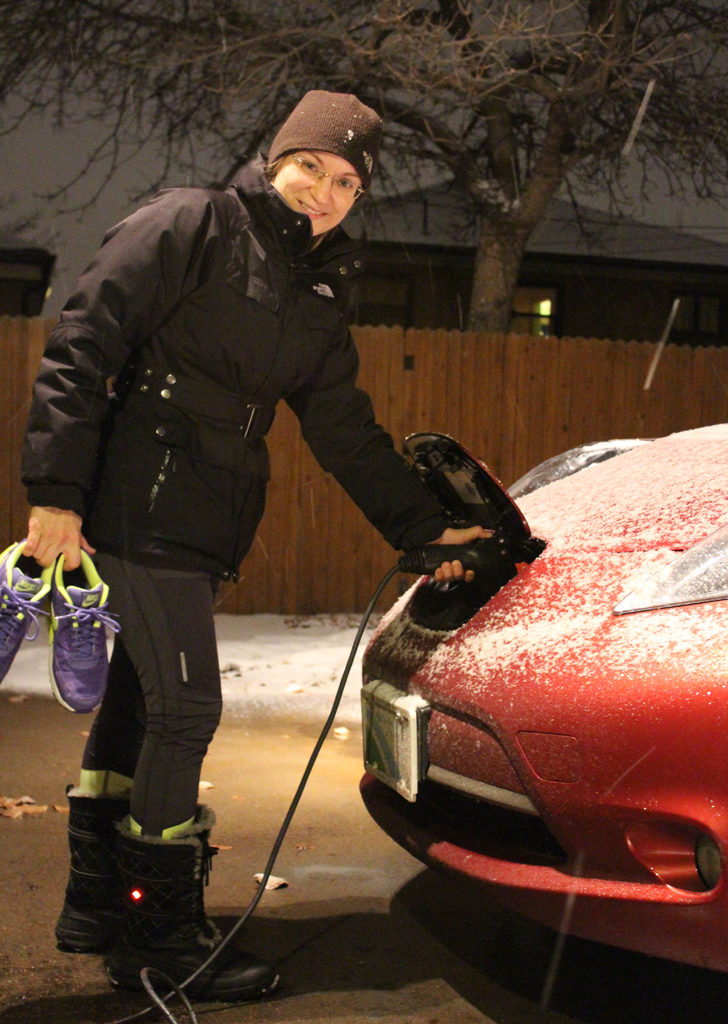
(66,945)
(209,991)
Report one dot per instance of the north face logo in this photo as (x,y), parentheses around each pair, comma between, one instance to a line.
(323,289)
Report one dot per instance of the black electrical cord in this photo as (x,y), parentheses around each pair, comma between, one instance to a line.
(160,1002)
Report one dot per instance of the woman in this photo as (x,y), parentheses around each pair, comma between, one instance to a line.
(205,308)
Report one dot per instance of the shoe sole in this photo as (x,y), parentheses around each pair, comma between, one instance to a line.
(207,992)
(74,946)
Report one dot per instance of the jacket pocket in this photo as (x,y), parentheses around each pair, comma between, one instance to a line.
(226,448)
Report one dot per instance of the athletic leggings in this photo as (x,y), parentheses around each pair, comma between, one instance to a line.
(163,702)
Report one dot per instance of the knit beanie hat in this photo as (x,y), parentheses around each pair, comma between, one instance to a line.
(333,122)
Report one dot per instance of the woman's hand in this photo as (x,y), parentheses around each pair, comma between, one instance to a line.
(454,570)
(53,532)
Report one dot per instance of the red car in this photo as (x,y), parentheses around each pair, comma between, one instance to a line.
(557,731)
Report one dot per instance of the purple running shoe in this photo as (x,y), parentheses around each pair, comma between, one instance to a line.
(24,586)
(79,619)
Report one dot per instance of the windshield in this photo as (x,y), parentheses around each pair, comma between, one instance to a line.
(570,462)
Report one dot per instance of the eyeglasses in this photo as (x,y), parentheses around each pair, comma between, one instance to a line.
(342,187)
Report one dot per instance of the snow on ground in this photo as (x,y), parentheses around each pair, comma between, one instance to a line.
(270,664)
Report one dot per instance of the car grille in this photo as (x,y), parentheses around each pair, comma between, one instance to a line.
(473,787)
(482,790)
(486,829)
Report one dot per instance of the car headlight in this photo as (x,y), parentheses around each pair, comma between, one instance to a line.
(694,576)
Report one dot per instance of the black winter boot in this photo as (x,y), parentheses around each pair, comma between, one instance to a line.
(92,911)
(165,926)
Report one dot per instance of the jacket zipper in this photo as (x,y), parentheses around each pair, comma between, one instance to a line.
(161,477)
(233,573)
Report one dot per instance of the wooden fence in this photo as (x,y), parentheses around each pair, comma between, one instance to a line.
(511,400)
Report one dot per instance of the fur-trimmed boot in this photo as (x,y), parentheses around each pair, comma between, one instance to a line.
(92,910)
(165,925)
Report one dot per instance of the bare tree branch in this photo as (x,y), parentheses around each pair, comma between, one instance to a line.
(511,99)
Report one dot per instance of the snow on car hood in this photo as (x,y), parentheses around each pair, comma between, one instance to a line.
(551,630)
(667,494)
(546,653)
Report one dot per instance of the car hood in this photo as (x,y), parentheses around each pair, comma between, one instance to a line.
(553,628)
(669,494)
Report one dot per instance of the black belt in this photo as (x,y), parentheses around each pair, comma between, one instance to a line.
(198,398)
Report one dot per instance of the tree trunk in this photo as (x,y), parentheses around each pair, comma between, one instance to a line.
(497,262)
(504,231)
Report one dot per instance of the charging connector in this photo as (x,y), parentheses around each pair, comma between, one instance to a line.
(479,555)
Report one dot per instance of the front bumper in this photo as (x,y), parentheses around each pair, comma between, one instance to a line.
(512,858)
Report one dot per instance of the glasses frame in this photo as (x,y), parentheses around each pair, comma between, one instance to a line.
(316,174)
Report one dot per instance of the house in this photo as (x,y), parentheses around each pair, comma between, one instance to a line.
(585,273)
(25,274)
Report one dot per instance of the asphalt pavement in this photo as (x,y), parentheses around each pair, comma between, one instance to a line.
(360,930)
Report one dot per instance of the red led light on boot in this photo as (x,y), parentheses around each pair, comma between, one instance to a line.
(135,895)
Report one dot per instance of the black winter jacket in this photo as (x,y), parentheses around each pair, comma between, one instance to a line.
(205,308)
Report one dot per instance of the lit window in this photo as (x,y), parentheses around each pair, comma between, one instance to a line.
(534,311)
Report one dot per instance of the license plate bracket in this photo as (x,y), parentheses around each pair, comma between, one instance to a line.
(394,732)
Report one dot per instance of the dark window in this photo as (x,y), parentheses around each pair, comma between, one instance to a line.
(700,319)
(383,299)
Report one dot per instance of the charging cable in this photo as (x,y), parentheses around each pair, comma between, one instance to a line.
(161,1003)
(419,561)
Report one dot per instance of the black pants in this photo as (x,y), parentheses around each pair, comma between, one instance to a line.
(163,700)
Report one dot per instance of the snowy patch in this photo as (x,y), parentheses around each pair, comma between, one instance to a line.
(270,664)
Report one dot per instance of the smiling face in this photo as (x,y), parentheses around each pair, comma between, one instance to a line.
(325,200)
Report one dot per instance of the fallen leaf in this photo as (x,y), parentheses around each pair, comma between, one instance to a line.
(206,785)
(272,883)
(15,801)
(341,733)
(17,806)
(11,812)
(35,808)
